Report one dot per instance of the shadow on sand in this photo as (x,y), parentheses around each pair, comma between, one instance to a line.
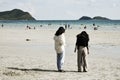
(35,69)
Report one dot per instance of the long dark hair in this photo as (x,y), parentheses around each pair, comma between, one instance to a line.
(84,34)
(82,39)
(60,31)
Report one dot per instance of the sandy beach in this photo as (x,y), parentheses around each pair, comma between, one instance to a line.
(36,59)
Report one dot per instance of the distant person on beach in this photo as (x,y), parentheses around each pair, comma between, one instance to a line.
(68,26)
(34,28)
(28,27)
(95,28)
(85,27)
(82,50)
(93,24)
(2,25)
(65,26)
(59,39)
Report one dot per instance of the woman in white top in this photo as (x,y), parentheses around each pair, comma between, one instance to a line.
(59,39)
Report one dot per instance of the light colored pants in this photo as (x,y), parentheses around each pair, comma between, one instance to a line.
(81,58)
(60,60)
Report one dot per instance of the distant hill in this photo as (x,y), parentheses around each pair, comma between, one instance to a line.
(100,18)
(15,14)
(85,18)
(94,18)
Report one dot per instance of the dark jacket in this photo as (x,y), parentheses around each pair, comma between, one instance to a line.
(82,40)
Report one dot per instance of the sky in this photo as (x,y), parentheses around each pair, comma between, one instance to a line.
(64,9)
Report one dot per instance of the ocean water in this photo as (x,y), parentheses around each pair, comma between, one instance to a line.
(71,24)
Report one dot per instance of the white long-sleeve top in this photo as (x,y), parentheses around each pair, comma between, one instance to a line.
(59,43)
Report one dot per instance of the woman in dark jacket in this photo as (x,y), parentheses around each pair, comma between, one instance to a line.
(82,50)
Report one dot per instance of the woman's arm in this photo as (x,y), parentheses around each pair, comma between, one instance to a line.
(75,48)
(88,49)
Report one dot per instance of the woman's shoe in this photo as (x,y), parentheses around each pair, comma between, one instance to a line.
(84,70)
(79,71)
(61,71)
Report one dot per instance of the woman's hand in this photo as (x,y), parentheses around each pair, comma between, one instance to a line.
(75,50)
